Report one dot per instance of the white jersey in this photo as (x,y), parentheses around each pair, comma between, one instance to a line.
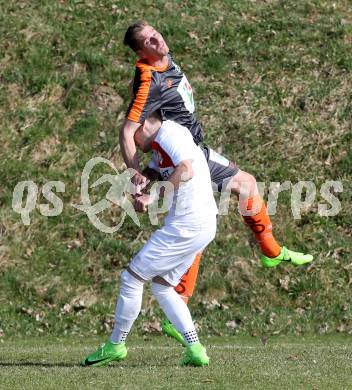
(191,222)
(193,204)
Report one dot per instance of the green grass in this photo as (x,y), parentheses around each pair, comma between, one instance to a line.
(272,88)
(236,362)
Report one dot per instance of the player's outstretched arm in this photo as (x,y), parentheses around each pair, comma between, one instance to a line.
(129,152)
(127,144)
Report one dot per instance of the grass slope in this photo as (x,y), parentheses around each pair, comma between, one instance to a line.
(272,86)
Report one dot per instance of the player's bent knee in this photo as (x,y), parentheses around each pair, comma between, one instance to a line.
(244,177)
(243,182)
(251,179)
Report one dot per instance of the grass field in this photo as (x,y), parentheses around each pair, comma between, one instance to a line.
(314,363)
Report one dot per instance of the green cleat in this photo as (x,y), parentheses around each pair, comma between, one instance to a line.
(105,354)
(195,355)
(295,258)
(169,330)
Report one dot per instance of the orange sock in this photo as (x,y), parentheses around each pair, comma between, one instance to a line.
(259,222)
(188,281)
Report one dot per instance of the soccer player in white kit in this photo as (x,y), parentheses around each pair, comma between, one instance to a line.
(188,228)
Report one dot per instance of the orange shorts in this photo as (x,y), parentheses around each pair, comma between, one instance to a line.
(188,281)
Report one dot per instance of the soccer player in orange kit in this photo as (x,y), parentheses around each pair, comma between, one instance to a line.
(160,85)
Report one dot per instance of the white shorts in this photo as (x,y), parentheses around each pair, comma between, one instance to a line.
(170,251)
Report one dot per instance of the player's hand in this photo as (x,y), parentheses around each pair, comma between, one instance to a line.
(141,203)
(140,182)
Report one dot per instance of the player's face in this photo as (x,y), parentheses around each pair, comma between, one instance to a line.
(152,44)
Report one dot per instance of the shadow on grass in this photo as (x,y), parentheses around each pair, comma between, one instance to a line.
(50,365)
(38,364)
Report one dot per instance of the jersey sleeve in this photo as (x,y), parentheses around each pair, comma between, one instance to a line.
(146,97)
(178,144)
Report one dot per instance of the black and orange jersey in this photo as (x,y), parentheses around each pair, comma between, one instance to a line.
(167,90)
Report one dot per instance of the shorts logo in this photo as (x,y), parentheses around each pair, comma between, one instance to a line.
(165,174)
(169,83)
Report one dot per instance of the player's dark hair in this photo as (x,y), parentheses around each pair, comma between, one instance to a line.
(131,36)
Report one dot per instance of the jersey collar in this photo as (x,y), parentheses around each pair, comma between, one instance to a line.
(143,65)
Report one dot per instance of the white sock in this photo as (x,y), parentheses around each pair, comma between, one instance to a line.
(190,337)
(176,311)
(128,306)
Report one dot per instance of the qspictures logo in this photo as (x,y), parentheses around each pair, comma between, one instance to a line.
(122,192)
(121,188)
